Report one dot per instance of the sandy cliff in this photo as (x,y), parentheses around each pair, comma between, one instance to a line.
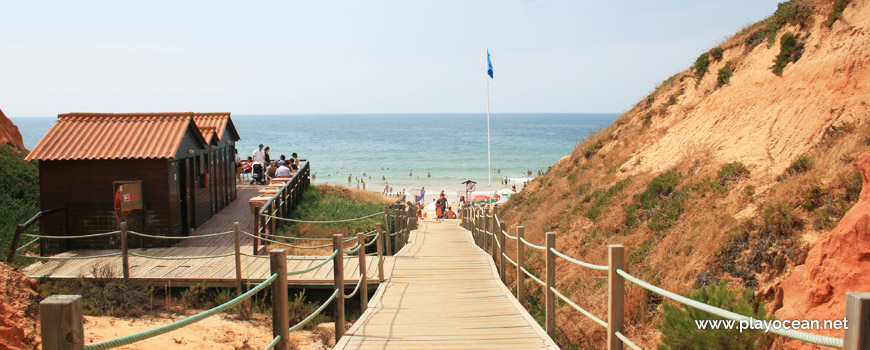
(9,132)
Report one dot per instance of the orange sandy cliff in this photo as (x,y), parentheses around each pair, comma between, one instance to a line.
(18,310)
(837,264)
(9,132)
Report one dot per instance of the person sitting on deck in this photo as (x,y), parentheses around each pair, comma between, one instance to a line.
(449,214)
(283,169)
(272,170)
(295,159)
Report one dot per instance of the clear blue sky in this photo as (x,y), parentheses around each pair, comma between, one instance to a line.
(271,57)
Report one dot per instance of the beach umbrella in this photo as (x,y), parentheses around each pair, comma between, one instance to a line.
(480,198)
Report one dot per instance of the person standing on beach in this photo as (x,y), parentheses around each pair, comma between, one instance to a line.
(428,174)
(410,172)
(259,155)
(266,156)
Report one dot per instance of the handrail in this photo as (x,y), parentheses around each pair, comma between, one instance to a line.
(626,341)
(178,237)
(73,237)
(578,262)
(321,222)
(540,281)
(578,308)
(355,289)
(529,244)
(133,338)
(273,343)
(70,257)
(315,313)
(788,333)
(293,180)
(180,257)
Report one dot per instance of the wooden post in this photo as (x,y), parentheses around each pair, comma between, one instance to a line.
(615,295)
(493,227)
(60,317)
(272,221)
(237,238)
(387,238)
(521,277)
(125,262)
(501,254)
(551,283)
(858,320)
(364,285)
(485,228)
(14,247)
(338,282)
(380,246)
(280,307)
(256,228)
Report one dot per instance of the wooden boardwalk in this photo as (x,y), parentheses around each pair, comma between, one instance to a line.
(216,272)
(444,293)
(237,211)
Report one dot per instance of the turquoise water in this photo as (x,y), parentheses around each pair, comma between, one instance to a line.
(451,147)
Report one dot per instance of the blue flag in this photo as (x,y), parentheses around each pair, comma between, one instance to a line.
(489,62)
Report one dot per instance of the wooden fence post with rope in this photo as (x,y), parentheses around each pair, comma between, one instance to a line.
(280,308)
(521,278)
(387,226)
(615,295)
(501,253)
(380,245)
(364,289)
(338,275)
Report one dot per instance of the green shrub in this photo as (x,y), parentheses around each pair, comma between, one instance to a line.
(659,203)
(779,218)
(666,214)
(790,51)
(789,12)
(660,186)
(197,296)
(732,171)
(701,66)
(800,165)
(717,52)
(837,13)
(592,148)
(724,76)
(647,119)
(19,194)
(749,190)
(602,198)
(680,330)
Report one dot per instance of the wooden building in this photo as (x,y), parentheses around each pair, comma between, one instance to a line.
(185,176)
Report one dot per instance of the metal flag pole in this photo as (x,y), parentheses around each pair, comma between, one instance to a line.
(488,141)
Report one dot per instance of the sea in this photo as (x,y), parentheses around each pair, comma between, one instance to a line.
(408,152)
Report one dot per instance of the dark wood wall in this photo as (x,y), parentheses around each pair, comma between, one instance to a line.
(85,188)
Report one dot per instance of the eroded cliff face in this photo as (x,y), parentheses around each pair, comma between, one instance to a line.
(762,119)
(837,264)
(9,132)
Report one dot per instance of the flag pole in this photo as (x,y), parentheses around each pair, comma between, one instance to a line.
(488,140)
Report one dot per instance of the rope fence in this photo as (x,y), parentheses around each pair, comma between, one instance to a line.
(482,225)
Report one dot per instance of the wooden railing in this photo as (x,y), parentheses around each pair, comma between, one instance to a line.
(490,235)
(20,228)
(62,322)
(280,204)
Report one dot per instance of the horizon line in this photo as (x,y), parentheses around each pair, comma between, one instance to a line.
(365,114)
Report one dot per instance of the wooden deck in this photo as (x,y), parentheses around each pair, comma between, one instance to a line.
(217,272)
(444,293)
(238,211)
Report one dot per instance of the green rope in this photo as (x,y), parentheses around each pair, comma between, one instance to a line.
(133,338)
(788,333)
(625,341)
(514,263)
(178,238)
(356,289)
(70,257)
(578,262)
(73,237)
(541,282)
(578,308)
(374,239)
(315,313)
(320,222)
(538,247)
(353,250)
(289,237)
(315,267)
(26,245)
(273,343)
(508,235)
(180,257)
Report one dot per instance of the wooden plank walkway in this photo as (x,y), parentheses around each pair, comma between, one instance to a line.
(444,293)
(217,272)
(238,211)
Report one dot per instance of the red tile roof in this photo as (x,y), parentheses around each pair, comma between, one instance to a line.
(114,136)
(218,121)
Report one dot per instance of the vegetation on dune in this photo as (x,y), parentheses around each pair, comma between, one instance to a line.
(724,76)
(19,192)
(794,12)
(837,12)
(680,331)
(791,50)
(327,203)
